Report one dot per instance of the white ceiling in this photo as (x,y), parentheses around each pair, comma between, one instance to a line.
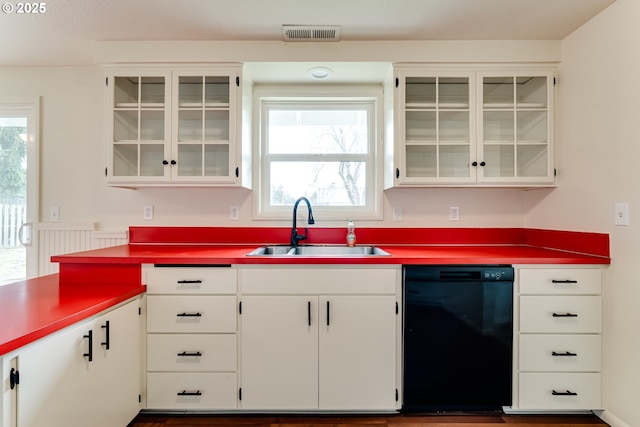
(67,32)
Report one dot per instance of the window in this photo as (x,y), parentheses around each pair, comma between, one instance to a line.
(322,147)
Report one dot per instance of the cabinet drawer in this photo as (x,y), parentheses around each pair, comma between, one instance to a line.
(191,314)
(560,353)
(191,352)
(191,391)
(561,314)
(305,280)
(568,281)
(566,391)
(192,280)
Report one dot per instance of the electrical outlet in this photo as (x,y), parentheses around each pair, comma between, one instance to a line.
(621,214)
(234,213)
(54,213)
(454,213)
(147,213)
(397,213)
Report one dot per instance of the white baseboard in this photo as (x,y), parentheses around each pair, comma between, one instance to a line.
(612,420)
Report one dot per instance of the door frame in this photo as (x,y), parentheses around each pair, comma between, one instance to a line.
(29,106)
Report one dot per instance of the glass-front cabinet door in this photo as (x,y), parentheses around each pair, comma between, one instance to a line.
(515,127)
(435,127)
(204,125)
(174,126)
(140,128)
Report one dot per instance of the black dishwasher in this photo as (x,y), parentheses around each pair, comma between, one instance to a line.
(458,337)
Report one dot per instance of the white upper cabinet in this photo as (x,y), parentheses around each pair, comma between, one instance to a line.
(178,126)
(515,127)
(469,127)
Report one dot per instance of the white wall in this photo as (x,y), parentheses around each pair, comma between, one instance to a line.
(598,143)
(73,151)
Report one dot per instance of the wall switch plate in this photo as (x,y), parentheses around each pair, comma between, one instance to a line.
(621,214)
(147,212)
(54,213)
(454,213)
(234,213)
(397,213)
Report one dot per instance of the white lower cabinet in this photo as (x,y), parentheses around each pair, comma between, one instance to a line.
(558,336)
(88,374)
(192,354)
(320,339)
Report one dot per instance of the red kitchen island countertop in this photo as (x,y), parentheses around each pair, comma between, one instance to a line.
(35,308)
(92,281)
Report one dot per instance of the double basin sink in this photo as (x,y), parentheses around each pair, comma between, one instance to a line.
(318,250)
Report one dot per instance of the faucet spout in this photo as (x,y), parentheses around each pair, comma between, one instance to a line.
(295,237)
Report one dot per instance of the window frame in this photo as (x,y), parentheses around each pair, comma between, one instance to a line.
(367,96)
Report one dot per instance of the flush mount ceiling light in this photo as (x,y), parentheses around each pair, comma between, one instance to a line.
(319,73)
(311,33)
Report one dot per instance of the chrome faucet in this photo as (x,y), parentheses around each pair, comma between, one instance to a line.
(295,237)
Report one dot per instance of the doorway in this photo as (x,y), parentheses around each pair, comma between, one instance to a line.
(19,176)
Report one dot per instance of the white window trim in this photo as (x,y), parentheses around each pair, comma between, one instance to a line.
(304,93)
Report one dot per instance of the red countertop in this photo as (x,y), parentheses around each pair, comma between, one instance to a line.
(92,281)
(401,254)
(34,308)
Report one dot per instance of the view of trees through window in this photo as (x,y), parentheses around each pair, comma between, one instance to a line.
(318,153)
(13,185)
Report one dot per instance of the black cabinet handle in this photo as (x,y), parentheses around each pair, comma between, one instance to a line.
(190,393)
(237,172)
(483,164)
(309,313)
(164,162)
(564,315)
(563,393)
(564,281)
(474,164)
(566,353)
(89,354)
(190,354)
(173,162)
(328,311)
(14,378)
(107,333)
(189,315)
(185,282)
(397,173)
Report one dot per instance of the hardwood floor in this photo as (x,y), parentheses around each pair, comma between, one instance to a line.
(402,420)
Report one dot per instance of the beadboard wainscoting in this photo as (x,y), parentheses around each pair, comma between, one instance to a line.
(63,238)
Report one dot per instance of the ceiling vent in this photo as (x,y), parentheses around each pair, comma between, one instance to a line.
(311,33)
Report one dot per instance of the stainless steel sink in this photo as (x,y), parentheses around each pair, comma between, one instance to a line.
(318,250)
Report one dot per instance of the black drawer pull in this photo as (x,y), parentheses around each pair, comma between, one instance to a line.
(107,333)
(566,353)
(187,354)
(89,353)
(190,393)
(563,393)
(565,315)
(564,281)
(189,314)
(309,313)
(184,282)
